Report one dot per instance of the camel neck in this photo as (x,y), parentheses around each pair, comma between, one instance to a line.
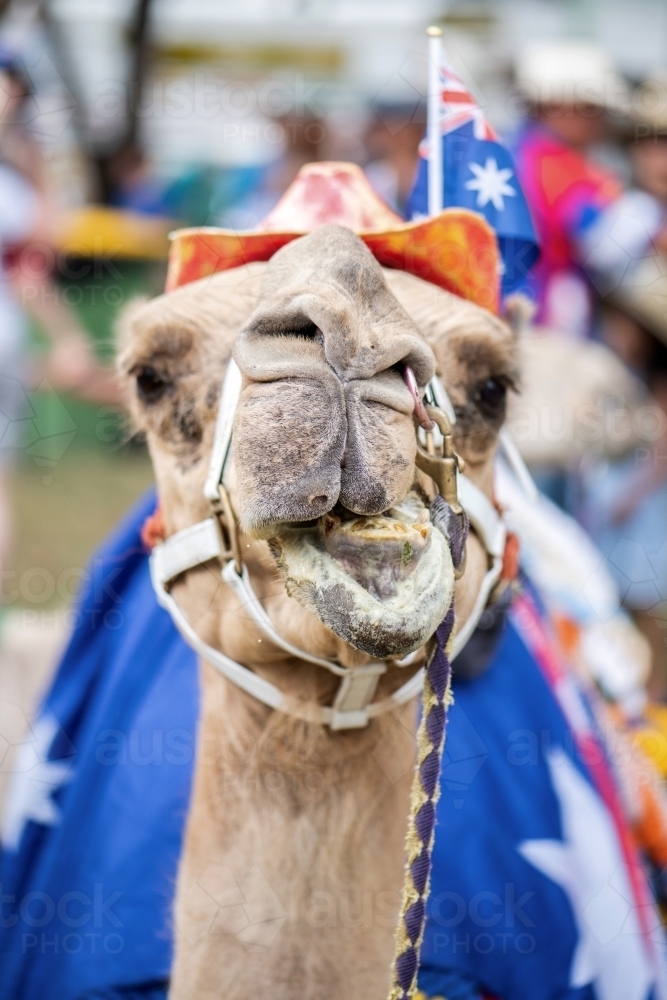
(305,829)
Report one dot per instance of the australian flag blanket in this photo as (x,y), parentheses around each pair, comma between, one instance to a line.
(537,890)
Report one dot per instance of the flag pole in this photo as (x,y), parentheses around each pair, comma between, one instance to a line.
(434,139)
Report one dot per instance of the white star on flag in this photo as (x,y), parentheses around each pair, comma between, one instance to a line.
(35,779)
(490,183)
(587,864)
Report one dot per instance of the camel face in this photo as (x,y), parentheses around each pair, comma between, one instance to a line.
(324,438)
(324,445)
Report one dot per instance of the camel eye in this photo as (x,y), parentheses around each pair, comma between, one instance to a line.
(490,397)
(150,386)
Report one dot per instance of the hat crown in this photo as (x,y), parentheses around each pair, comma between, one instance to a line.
(572,73)
(329,192)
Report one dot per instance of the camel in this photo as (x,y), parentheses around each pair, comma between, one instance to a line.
(289,884)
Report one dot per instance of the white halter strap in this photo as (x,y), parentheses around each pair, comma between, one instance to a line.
(203,542)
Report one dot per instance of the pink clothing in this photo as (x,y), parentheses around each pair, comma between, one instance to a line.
(566,193)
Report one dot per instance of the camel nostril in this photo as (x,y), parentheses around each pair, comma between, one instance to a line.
(320,498)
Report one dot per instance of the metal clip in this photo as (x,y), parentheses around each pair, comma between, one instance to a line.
(228,527)
(441,466)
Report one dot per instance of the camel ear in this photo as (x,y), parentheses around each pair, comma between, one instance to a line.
(518,312)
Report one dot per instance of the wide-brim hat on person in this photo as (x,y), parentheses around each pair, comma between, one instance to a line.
(456,250)
(643,295)
(570,73)
(649,107)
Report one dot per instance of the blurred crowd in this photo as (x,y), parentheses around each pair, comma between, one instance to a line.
(602,276)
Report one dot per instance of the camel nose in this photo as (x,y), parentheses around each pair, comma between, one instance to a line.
(319,500)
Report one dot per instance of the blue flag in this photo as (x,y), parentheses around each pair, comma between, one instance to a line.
(479,174)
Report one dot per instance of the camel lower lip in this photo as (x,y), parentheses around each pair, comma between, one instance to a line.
(388,617)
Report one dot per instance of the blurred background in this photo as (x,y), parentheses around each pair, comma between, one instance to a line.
(122,119)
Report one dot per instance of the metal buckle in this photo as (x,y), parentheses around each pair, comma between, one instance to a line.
(441,466)
(228,527)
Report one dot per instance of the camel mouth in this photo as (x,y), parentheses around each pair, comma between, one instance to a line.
(380,551)
(382,583)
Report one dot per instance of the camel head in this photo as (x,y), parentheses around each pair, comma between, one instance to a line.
(323,478)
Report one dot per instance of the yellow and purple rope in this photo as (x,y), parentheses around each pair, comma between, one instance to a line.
(421,823)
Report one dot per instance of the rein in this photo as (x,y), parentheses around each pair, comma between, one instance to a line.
(425,792)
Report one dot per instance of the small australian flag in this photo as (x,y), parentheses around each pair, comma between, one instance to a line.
(478,173)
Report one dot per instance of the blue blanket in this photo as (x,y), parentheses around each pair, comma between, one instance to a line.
(530,897)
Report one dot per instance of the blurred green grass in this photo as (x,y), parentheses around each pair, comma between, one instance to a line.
(62,512)
(76,475)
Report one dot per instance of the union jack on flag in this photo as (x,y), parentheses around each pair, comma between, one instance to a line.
(458,106)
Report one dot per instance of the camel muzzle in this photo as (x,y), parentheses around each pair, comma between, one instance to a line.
(385,627)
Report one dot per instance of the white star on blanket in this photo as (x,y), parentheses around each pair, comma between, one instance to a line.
(35,779)
(589,867)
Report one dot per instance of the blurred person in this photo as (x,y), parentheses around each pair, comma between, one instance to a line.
(19,213)
(72,362)
(649,147)
(303,143)
(133,183)
(634,225)
(25,218)
(625,502)
(589,228)
(570,90)
(392,140)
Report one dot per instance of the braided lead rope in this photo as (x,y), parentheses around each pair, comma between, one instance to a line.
(454,527)
(421,823)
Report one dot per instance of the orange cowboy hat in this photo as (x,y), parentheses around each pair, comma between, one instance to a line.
(456,250)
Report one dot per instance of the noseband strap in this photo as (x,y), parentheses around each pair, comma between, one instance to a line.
(216,540)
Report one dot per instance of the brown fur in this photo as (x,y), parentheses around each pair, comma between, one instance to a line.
(292,866)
